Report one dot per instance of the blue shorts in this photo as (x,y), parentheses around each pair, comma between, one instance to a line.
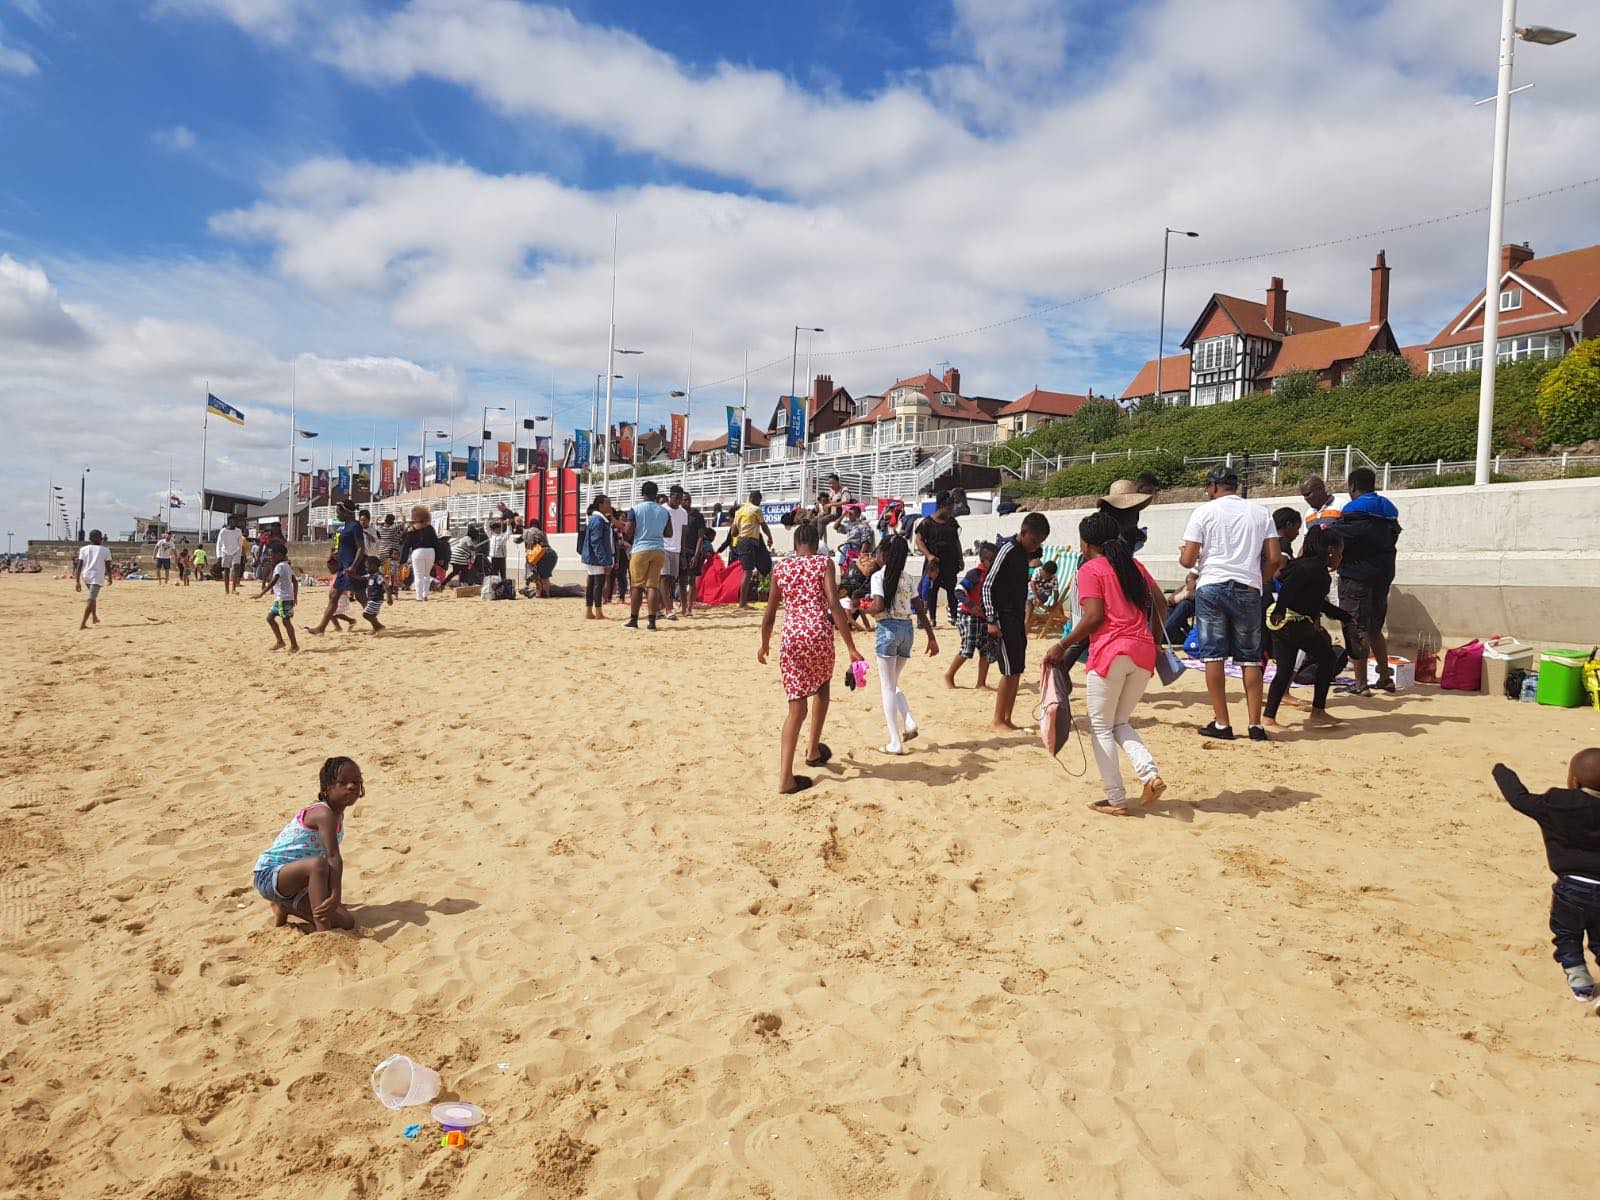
(895,635)
(1228,621)
(266,881)
(343,583)
(94,592)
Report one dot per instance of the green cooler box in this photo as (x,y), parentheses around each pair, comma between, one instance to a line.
(1561,677)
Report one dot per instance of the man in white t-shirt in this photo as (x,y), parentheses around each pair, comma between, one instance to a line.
(1322,506)
(164,558)
(674,541)
(1235,546)
(93,568)
(230,554)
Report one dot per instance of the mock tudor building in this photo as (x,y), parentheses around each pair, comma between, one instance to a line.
(1239,346)
(1547,306)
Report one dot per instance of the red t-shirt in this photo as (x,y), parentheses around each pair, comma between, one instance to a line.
(1126,629)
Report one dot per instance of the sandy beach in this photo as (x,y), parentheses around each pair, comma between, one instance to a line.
(1320,967)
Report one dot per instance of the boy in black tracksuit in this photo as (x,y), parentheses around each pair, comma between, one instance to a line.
(1005,603)
(1569,818)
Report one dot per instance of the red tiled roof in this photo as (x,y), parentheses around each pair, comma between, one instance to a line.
(1321,348)
(1571,279)
(1052,404)
(754,439)
(881,410)
(1251,318)
(1174,377)
(1417,356)
(966,408)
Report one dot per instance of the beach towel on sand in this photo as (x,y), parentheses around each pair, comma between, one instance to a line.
(1055,710)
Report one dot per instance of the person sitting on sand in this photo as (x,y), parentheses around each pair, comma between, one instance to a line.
(1005,604)
(1042,587)
(302,873)
(971,622)
(1569,819)
(1292,622)
(285,591)
(1119,597)
(803,586)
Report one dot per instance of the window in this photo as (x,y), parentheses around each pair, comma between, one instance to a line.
(1456,358)
(1536,345)
(1214,354)
(1214,393)
(1510,298)
(948,399)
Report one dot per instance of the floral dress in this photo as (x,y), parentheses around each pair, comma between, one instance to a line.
(806,657)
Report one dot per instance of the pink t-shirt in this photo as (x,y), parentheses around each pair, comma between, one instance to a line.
(1126,629)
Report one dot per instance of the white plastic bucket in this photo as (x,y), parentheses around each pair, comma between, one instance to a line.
(398,1082)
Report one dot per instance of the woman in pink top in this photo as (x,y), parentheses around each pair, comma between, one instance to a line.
(1119,600)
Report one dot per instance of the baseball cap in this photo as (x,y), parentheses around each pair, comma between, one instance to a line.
(1226,476)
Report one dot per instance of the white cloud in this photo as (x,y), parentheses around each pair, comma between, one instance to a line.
(16,62)
(179,139)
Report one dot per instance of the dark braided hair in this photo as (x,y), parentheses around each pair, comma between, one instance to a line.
(1319,540)
(805,534)
(895,551)
(1103,531)
(330,774)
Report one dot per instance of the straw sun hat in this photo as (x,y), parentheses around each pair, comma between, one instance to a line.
(1124,494)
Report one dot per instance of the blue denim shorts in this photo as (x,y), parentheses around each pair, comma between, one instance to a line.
(266,881)
(1228,617)
(894,637)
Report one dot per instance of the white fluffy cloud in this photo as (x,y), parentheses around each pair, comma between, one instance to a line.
(16,62)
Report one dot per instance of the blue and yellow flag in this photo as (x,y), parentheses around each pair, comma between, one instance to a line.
(223,409)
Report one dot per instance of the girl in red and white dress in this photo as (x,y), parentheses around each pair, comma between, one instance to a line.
(804,585)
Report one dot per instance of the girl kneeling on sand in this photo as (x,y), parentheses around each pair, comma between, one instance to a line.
(803,584)
(1119,600)
(302,872)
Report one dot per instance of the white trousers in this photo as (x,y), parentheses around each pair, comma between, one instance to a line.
(896,708)
(422,572)
(1111,701)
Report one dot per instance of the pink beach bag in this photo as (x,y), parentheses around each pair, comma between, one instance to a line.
(1463,668)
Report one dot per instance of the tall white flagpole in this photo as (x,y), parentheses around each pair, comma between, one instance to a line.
(611,350)
(688,407)
(744,424)
(205,424)
(293,523)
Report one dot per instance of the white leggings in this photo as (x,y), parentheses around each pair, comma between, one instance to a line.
(1111,699)
(896,709)
(422,571)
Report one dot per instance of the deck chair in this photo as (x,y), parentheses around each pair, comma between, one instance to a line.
(1046,620)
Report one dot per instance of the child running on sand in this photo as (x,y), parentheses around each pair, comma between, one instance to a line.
(375,593)
(1005,604)
(971,622)
(302,873)
(1569,818)
(285,591)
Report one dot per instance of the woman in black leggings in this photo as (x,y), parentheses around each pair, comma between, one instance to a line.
(1292,621)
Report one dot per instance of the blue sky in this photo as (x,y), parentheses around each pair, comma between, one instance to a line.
(408,206)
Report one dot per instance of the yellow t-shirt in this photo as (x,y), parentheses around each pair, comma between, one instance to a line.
(747,521)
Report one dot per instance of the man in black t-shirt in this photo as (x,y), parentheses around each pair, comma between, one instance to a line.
(1005,601)
(939,542)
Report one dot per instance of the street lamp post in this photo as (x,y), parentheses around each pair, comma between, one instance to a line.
(805,415)
(483,447)
(1161,332)
(1509,32)
(605,472)
(83,481)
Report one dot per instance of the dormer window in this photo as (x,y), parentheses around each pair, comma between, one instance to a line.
(1510,299)
(948,399)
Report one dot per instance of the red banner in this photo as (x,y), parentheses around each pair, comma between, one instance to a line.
(303,488)
(679,429)
(386,477)
(625,442)
(503,468)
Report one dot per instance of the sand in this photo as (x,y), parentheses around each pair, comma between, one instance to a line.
(1319,968)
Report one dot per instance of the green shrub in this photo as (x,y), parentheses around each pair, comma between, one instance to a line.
(1569,396)
(1455,479)
(1297,385)
(1095,479)
(1378,369)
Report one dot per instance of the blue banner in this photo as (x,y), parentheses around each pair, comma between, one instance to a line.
(772,511)
(735,431)
(580,449)
(344,481)
(797,421)
(474,454)
(441,467)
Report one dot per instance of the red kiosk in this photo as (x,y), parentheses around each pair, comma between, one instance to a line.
(552,500)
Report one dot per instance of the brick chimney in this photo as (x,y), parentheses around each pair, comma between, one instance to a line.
(1277,307)
(1513,256)
(821,391)
(952,380)
(1380,290)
